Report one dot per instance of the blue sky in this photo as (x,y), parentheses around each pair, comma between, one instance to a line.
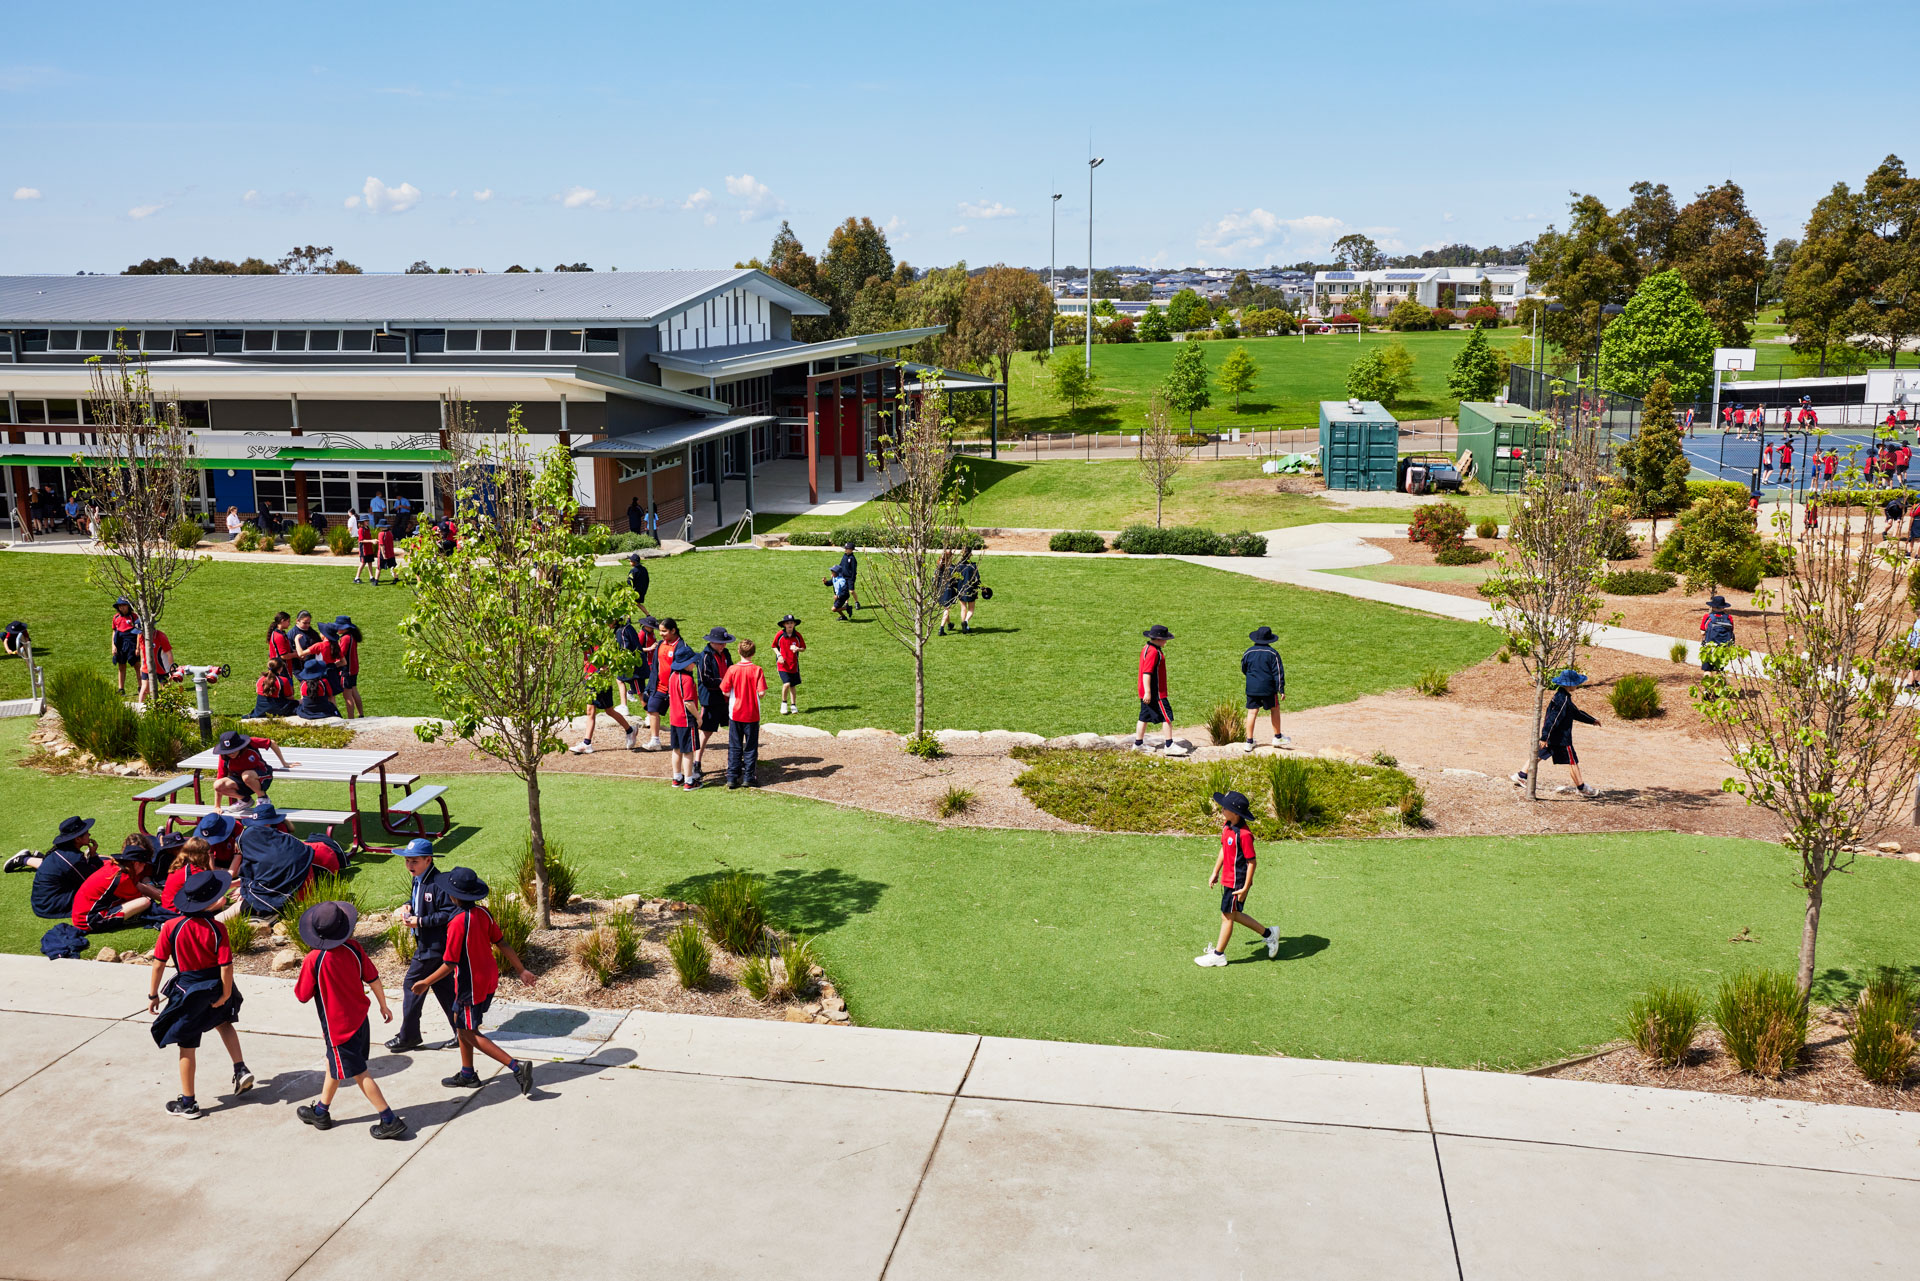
(647,136)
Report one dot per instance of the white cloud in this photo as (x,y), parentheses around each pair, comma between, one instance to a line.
(1523,217)
(145,211)
(583,198)
(896,229)
(483,195)
(632,203)
(351,202)
(700,199)
(961,230)
(1242,232)
(26,193)
(253,198)
(983,210)
(707,220)
(380,198)
(757,201)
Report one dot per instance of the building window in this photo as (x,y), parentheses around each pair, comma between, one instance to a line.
(356,340)
(33,340)
(496,340)
(1503,291)
(430,341)
(157,340)
(603,340)
(192,341)
(462,340)
(63,340)
(564,340)
(290,340)
(96,340)
(226,340)
(529,340)
(63,412)
(700,464)
(390,343)
(258,340)
(324,340)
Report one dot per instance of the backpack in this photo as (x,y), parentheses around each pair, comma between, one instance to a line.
(1719,629)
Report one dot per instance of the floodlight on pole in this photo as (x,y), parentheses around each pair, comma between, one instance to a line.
(1092,164)
(1053,245)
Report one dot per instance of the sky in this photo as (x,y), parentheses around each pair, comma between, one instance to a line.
(645,136)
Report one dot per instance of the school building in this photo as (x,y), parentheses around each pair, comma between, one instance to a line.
(683,390)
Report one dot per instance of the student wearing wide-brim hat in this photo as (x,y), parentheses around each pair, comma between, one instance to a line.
(201,997)
(1233,872)
(787,646)
(59,873)
(243,772)
(1556,731)
(336,976)
(1155,709)
(316,691)
(638,578)
(472,939)
(430,906)
(1266,679)
(1716,629)
(715,659)
(346,672)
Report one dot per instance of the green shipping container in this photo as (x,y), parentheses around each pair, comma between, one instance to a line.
(1359,447)
(1503,439)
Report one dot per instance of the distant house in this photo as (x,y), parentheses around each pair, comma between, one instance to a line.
(1455,288)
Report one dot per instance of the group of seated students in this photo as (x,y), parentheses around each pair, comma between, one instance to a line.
(309,667)
(253,842)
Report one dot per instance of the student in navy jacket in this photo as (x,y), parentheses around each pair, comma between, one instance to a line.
(849,569)
(1556,731)
(428,909)
(62,870)
(1266,683)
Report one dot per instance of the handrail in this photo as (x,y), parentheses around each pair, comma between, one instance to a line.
(744,523)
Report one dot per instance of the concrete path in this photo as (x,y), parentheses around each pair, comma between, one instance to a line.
(676,1146)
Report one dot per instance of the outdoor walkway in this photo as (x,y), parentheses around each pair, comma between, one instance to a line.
(676,1146)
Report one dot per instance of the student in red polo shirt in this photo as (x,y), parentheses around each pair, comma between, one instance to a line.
(243,771)
(156,659)
(195,855)
(126,631)
(201,997)
(1152,687)
(743,686)
(368,546)
(683,719)
(472,937)
(1233,871)
(336,977)
(116,896)
(659,666)
(786,649)
(388,560)
(346,644)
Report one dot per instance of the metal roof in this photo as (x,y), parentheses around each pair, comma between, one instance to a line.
(654,440)
(610,298)
(728,362)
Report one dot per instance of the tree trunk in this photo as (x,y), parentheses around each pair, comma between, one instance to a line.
(542,905)
(1809,935)
(1533,744)
(1158,497)
(919,678)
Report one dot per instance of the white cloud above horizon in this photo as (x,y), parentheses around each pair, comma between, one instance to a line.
(146,211)
(483,195)
(983,210)
(1308,236)
(758,203)
(26,193)
(701,199)
(583,198)
(379,198)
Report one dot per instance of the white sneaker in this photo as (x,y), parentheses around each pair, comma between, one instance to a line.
(1283,741)
(1588,790)
(633,736)
(1248,745)
(1273,942)
(651,745)
(1173,749)
(1519,778)
(582,747)
(1210,959)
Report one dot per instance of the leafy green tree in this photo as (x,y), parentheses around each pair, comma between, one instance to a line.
(1185,387)
(500,624)
(1161,456)
(1773,289)
(1475,372)
(1652,464)
(1369,379)
(1105,307)
(789,263)
(1823,280)
(1662,333)
(1714,536)
(1720,251)
(1188,311)
(1153,325)
(1408,313)
(1072,381)
(857,251)
(1238,374)
(1592,263)
(1648,221)
(1006,309)
(1888,307)
(1399,366)
(1357,252)
(877,308)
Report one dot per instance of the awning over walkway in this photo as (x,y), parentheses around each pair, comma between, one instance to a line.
(950,379)
(724,364)
(656,440)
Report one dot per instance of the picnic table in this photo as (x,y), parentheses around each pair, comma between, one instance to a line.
(401,816)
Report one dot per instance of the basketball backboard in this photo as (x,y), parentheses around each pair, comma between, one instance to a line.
(1733,359)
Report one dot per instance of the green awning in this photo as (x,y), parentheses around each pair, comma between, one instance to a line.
(282,461)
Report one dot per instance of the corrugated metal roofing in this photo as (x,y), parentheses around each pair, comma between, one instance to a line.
(610,298)
(670,436)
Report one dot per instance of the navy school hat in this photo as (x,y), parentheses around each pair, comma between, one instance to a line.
(215,829)
(201,891)
(465,884)
(1717,601)
(719,636)
(1234,802)
(1157,632)
(341,620)
(72,829)
(230,742)
(315,669)
(1569,679)
(418,847)
(264,814)
(789,618)
(1262,635)
(327,925)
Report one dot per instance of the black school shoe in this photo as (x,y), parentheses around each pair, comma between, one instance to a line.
(314,1116)
(185,1108)
(523,1077)
(394,1129)
(462,1080)
(398,1046)
(18,863)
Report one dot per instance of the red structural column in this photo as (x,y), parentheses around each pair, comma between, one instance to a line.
(860,453)
(839,428)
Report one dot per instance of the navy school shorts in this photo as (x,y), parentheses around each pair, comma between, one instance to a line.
(345,1062)
(657,702)
(1260,702)
(603,699)
(266,781)
(790,678)
(350,680)
(469,1015)
(1155,713)
(682,736)
(1227,906)
(713,716)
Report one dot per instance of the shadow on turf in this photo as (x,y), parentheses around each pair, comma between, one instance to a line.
(1297,948)
(809,902)
(787,769)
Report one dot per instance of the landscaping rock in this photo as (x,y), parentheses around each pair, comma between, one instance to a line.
(795,1014)
(832,1004)
(836,1016)
(775,729)
(1084,742)
(132,958)
(867,731)
(107,954)
(956,735)
(1015,737)
(284,961)
(1463,773)
(279,929)
(1888,847)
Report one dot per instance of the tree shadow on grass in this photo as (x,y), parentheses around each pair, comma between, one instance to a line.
(809,901)
(1837,985)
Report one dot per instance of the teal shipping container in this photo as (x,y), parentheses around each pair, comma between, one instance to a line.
(1504,440)
(1359,445)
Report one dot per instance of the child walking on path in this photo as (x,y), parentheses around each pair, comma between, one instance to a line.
(200,997)
(1233,872)
(743,686)
(1556,731)
(786,648)
(683,719)
(1152,687)
(1266,683)
(472,937)
(336,977)
(1716,628)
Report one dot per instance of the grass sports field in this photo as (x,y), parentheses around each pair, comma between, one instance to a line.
(1053,653)
(1492,952)
(1295,376)
(1070,494)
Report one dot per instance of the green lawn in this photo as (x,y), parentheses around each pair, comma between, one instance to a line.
(1295,376)
(1054,652)
(1419,573)
(1495,952)
(1064,494)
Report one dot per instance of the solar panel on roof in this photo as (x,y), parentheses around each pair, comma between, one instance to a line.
(1339,275)
(1406,275)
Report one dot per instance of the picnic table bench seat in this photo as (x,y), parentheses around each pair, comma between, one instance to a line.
(326,818)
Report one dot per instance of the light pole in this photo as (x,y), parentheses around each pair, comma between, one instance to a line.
(1092,164)
(1053,246)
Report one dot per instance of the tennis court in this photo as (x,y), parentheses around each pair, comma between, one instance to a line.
(1717,455)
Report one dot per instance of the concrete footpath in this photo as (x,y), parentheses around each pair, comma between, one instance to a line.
(675,1146)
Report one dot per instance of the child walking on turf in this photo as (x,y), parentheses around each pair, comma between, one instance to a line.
(786,647)
(1233,872)
(472,937)
(336,977)
(1266,683)
(200,997)
(1152,687)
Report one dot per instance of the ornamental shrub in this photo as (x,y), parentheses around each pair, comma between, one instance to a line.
(1172,540)
(1076,541)
(1462,556)
(303,539)
(1661,1024)
(1483,317)
(1487,529)
(692,958)
(96,719)
(875,536)
(1636,582)
(732,908)
(340,541)
(1443,318)
(631,542)
(1439,525)
(560,878)
(1698,489)
(245,541)
(1635,697)
(185,533)
(810,538)
(1714,543)
(1763,1019)
(1882,1043)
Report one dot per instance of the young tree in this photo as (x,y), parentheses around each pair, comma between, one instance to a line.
(1153,325)
(1397,361)
(1662,333)
(1188,311)
(1369,379)
(137,473)
(1475,372)
(921,531)
(1161,455)
(1652,464)
(1814,719)
(1185,387)
(1824,280)
(501,625)
(1072,382)
(1238,374)
(1543,587)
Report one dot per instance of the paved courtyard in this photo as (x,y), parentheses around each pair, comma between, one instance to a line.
(684,1147)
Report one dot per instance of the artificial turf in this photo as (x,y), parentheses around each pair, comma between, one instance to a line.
(1054,652)
(1500,952)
